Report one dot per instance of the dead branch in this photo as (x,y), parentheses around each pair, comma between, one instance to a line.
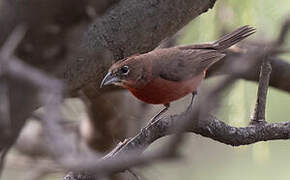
(259,112)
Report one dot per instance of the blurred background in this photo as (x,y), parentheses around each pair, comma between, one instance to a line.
(205,158)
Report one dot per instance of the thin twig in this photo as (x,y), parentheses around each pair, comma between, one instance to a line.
(259,112)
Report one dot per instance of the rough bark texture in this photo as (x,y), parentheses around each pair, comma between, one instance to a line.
(143,24)
(260,107)
(209,127)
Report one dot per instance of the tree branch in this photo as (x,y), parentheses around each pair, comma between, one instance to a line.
(209,127)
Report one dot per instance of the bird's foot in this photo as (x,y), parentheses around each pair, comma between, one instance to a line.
(189,108)
(156,117)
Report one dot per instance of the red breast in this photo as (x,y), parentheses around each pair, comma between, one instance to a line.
(161,91)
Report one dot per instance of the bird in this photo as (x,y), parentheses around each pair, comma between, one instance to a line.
(165,75)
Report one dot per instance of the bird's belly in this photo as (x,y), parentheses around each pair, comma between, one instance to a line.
(161,91)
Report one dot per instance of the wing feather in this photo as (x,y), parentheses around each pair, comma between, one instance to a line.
(185,64)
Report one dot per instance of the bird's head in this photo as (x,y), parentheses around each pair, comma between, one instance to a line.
(128,73)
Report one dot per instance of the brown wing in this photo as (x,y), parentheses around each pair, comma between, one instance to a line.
(178,65)
(226,41)
(184,62)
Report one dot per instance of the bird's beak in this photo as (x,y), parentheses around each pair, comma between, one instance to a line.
(109,79)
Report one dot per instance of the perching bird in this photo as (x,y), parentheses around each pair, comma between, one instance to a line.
(165,75)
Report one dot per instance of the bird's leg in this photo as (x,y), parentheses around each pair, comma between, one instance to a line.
(194,93)
(159,114)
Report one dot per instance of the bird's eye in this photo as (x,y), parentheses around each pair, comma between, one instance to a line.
(124,70)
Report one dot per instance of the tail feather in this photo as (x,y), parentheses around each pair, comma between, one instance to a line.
(233,37)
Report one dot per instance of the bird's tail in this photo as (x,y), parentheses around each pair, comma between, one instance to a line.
(233,37)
